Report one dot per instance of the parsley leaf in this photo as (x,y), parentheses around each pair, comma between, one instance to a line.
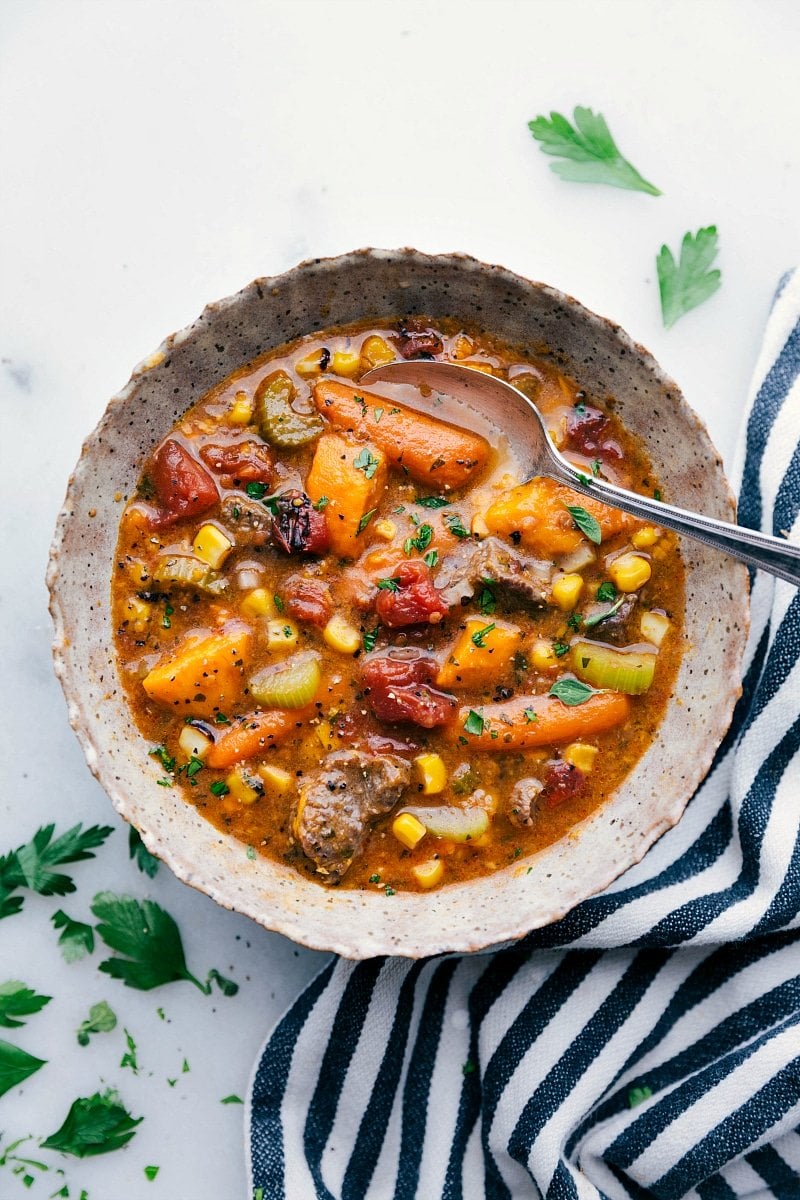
(585,522)
(232,1099)
(151,1172)
(421,541)
(322,503)
(531,715)
(145,861)
(474,723)
(432,501)
(129,1058)
(571,692)
(370,638)
(487,601)
(388,585)
(365,520)
(148,935)
(226,986)
(456,525)
(94,1125)
(689,282)
(431,558)
(17,1000)
(32,864)
(366,461)
(256,491)
(480,635)
(590,622)
(606,591)
(77,939)
(219,788)
(101,1019)
(589,151)
(16,1066)
(560,648)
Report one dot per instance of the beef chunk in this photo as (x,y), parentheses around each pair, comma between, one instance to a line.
(248,521)
(524,796)
(337,805)
(462,571)
(308,599)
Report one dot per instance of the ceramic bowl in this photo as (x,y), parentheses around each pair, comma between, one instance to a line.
(316,295)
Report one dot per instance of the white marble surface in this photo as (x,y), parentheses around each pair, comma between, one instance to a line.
(156,155)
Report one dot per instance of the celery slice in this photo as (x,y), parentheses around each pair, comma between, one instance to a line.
(184,570)
(277,421)
(629,671)
(457,824)
(290,684)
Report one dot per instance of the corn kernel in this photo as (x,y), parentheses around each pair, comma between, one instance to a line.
(645,537)
(654,627)
(431,773)
(258,603)
(281,635)
(385,530)
(138,613)
(580,755)
(566,590)
(375,351)
(276,779)
(211,546)
(429,874)
(312,363)
(630,572)
(543,656)
(241,412)
(478,527)
(408,830)
(194,743)
(243,786)
(341,635)
(477,365)
(344,362)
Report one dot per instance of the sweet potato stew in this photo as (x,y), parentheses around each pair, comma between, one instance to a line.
(358,642)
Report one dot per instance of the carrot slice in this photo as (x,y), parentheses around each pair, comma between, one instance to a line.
(529,721)
(431,451)
(255,734)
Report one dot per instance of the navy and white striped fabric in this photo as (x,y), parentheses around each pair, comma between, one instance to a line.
(648,1045)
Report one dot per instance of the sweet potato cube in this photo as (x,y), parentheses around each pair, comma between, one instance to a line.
(482,654)
(351,476)
(205,673)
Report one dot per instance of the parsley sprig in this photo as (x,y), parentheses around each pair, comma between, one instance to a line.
(17,1001)
(588,152)
(94,1125)
(33,865)
(690,281)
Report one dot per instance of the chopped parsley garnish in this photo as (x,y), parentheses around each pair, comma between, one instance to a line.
(389,890)
(656,494)
(279,605)
(474,723)
(606,591)
(251,853)
(164,757)
(585,522)
(560,648)
(370,638)
(487,601)
(323,502)
(377,413)
(571,692)
(480,635)
(221,719)
(16,1001)
(388,585)
(101,1019)
(165,620)
(94,1125)
(129,1058)
(531,715)
(366,461)
(192,767)
(256,491)
(596,464)
(150,940)
(365,520)
(456,525)
(421,541)
(232,1099)
(574,621)
(597,618)
(219,788)
(687,283)
(432,501)
(145,861)
(585,480)
(151,1172)
(374,878)
(468,1067)
(431,558)
(587,151)
(76,940)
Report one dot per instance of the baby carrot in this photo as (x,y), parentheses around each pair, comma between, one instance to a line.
(255,734)
(528,721)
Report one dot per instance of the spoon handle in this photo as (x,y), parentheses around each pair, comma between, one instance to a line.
(758,550)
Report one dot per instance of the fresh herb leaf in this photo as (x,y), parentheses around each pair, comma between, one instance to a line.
(606,591)
(219,788)
(365,520)
(226,986)
(474,723)
(689,282)
(232,1099)
(366,461)
(185,1069)
(389,890)
(221,719)
(388,585)
(151,1172)
(456,525)
(279,605)
(374,879)
(574,621)
(370,638)
(164,757)
(32,864)
(431,558)
(468,1068)
(145,861)
(656,494)
(17,1000)
(638,1095)
(94,1124)
(597,618)
(256,491)
(322,503)
(420,541)
(16,1066)
(531,715)
(480,635)
(432,501)
(571,692)
(487,601)
(560,648)
(129,1058)
(77,939)
(101,1019)
(192,767)
(585,480)
(585,522)
(596,465)
(148,936)
(589,151)
(165,620)
(251,853)
(377,413)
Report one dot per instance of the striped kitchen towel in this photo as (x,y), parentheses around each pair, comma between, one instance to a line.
(646,1045)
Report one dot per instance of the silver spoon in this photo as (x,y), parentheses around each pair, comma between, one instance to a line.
(512,411)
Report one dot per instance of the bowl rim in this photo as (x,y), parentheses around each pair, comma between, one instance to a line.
(273,918)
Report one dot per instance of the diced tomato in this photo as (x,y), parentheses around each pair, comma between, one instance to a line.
(240,462)
(397,686)
(417,340)
(308,599)
(183,487)
(563,782)
(297,527)
(588,430)
(358,729)
(413,600)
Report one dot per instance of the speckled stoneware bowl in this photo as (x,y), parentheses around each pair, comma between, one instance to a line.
(316,295)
